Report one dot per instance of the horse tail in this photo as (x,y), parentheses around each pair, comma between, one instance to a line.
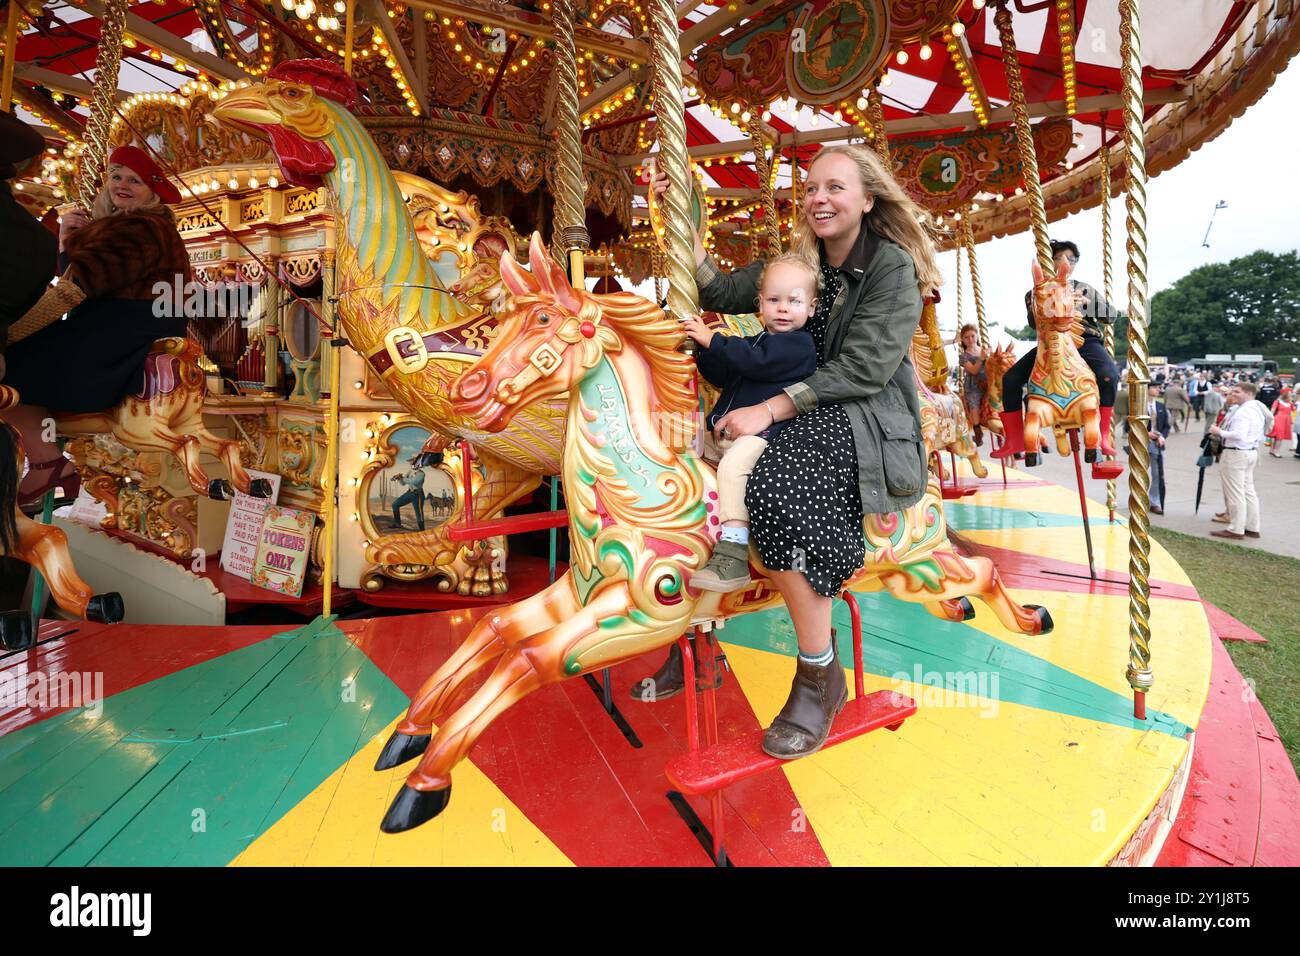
(9,470)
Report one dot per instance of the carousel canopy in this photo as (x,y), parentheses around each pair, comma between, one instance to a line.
(476,79)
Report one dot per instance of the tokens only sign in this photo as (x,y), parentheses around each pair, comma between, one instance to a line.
(244,527)
(282,549)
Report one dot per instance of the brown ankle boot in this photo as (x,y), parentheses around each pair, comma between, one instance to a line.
(670,679)
(816,696)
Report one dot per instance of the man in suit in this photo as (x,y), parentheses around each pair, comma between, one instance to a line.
(1157,433)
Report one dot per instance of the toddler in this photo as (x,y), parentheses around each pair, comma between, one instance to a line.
(749,371)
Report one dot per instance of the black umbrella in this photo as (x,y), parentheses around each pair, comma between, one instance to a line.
(1205,461)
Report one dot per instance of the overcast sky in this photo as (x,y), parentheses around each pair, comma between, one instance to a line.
(1249,166)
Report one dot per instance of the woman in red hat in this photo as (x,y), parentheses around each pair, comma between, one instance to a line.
(95,357)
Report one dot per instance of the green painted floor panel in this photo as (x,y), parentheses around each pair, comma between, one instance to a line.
(242,738)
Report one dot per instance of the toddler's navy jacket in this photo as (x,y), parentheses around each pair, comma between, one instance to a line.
(754,368)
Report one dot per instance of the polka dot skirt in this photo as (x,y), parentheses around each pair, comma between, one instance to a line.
(805,512)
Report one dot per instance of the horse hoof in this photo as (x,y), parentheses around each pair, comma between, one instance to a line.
(259,488)
(967,608)
(220,490)
(1090,455)
(1031,459)
(106,608)
(401,748)
(414,807)
(1045,624)
(16,632)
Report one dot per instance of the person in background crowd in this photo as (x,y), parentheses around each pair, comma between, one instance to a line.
(1157,434)
(1177,402)
(1242,431)
(1196,393)
(1283,415)
(1213,404)
(1269,390)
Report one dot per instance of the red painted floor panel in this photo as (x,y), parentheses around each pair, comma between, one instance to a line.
(1242,805)
(599,798)
(127,655)
(1026,570)
(1228,628)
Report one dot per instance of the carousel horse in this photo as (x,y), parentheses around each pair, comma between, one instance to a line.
(166,415)
(642,517)
(1062,392)
(44,547)
(995,366)
(943,414)
(393,307)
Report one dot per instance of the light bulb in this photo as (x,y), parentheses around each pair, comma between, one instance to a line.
(902,57)
(926,52)
(958,28)
(340,6)
(273,182)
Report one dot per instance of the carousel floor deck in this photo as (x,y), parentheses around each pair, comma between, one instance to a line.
(254,745)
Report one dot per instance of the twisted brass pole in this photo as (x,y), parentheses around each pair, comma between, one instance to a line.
(956,289)
(1024,136)
(968,238)
(796,187)
(670,110)
(100,123)
(1139,482)
(1109,333)
(569,238)
(769,244)
(876,116)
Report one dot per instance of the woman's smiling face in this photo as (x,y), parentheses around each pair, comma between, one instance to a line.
(834,198)
(128,191)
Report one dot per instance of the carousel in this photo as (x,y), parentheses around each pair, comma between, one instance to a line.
(418,497)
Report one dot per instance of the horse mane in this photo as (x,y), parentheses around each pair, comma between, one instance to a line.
(656,334)
(927,343)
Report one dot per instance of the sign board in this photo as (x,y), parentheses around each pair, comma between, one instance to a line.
(282,549)
(1250,358)
(1158,360)
(1218,358)
(244,527)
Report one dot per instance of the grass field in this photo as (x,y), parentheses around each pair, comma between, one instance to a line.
(1261,590)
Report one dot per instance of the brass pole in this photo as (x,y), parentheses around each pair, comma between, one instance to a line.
(769,241)
(968,238)
(670,108)
(1108,335)
(100,123)
(569,238)
(876,116)
(11,55)
(1139,482)
(348,32)
(330,471)
(1024,136)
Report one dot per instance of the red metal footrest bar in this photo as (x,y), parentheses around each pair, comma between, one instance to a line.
(704,771)
(1106,470)
(515,524)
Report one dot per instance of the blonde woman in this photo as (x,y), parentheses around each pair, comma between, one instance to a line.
(855,445)
(91,360)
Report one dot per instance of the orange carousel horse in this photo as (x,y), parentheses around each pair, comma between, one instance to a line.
(642,509)
(44,547)
(1062,391)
